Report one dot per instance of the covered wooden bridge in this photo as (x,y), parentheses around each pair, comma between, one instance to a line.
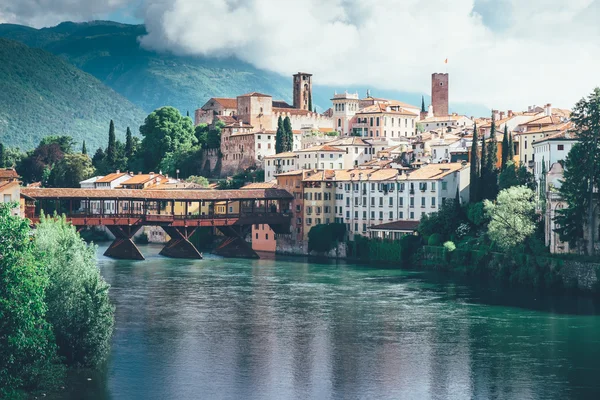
(178,212)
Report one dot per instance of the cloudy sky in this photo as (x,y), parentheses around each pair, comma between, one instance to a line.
(504,54)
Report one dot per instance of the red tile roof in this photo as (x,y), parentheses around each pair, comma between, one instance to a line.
(111,177)
(226,102)
(8,173)
(139,194)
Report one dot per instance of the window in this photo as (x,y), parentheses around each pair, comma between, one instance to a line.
(355,214)
(372,201)
(561,147)
(381,201)
(391,201)
(433,186)
(377,121)
(380,214)
(400,215)
(257,236)
(433,202)
(364,228)
(401,202)
(372,214)
(364,215)
(412,215)
(444,185)
(266,236)
(422,201)
(412,202)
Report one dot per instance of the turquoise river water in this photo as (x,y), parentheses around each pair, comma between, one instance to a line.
(288,328)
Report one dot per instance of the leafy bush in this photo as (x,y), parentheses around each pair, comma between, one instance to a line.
(27,348)
(434,240)
(79,308)
(449,246)
(324,237)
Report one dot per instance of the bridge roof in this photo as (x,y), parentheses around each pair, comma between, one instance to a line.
(139,194)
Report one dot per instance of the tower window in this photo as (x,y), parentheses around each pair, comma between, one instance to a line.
(441,83)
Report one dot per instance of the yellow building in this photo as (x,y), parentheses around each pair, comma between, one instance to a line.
(10,189)
(319,199)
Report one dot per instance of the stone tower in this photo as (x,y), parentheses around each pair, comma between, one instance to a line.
(439,94)
(303,91)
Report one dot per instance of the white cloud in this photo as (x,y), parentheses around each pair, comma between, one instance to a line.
(547,51)
(40,13)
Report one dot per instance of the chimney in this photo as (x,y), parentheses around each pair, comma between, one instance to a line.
(130,173)
(501,114)
(510,113)
(548,109)
(118,171)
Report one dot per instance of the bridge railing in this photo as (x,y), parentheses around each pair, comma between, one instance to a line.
(170,217)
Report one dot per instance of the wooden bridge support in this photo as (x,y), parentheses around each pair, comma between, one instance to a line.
(180,246)
(234,244)
(123,247)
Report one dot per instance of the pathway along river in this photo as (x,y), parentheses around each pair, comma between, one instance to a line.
(290,329)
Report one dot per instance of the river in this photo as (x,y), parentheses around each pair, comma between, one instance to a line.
(292,329)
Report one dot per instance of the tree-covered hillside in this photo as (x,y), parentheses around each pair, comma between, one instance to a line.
(41,94)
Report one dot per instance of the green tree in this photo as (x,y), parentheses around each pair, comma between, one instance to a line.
(213,137)
(27,346)
(483,174)
(489,174)
(572,219)
(542,186)
(512,217)
(505,148)
(201,133)
(310,107)
(83,149)
(514,175)
(444,222)
(511,148)
(79,308)
(65,143)
(37,164)
(280,137)
(111,149)
(2,156)
(586,121)
(164,131)
(474,172)
(129,145)
(289,135)
(199,180)
(72,169)
(324,237)
(423,104)
(98,160)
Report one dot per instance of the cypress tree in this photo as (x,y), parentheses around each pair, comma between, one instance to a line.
(473,191)
(490,179)
(129,144)
(2,156)
(187,113)
(505,148)
(423,104)
(482,170)
(111,150)
(83,148)
(289,134)
(310,107)
(511,148)
(542,187)
(279,136)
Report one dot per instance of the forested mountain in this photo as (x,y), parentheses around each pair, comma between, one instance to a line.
(42,94)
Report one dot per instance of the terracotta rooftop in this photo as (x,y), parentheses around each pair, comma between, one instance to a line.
(225,102)
(323,147)
(349,141)
(283,155)
(111,177)
(139,194)
(382,108)
(8,173)
(402,226)
(261,185)
(141,179)
(7,184)
(440,119)
(548,128)
(281,104)
(562,135)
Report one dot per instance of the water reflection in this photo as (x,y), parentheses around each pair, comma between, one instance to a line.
(284,329)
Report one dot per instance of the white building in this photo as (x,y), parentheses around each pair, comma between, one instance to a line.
(322,157)
(385,121)
(368,197)
(280,163)
(345,106)
(452,122)
(550,150)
